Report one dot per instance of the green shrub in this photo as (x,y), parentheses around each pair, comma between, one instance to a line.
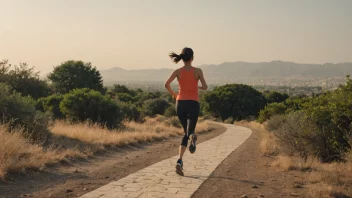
(295,103)
(288,106)
(85,104)
(155,106)
(270,110)
(322,127)
(298,134)
(170,111)
(51,104)
(20,111)
(123,89)
(233,100)
(274,96)
(131,112)
(124,97)
(332,114)
(275,122)
(144,96)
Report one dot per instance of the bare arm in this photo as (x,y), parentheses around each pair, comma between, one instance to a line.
(202,80)
(169,81)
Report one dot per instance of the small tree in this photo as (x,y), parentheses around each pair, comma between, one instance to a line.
(75,75)
(23,79)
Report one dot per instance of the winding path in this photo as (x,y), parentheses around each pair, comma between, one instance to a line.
(160,179)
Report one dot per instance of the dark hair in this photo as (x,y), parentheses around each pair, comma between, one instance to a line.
(186,55)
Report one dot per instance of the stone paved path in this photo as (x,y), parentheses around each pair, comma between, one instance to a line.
(160,179)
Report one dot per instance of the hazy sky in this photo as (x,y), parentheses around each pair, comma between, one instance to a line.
(139,34)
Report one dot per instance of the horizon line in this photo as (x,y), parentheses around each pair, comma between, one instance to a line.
(327,63)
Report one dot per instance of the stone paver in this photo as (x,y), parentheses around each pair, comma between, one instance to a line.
(160,179)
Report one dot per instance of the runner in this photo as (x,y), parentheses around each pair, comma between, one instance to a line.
(187,101)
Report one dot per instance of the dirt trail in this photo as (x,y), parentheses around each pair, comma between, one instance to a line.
(247,172)
(80,177)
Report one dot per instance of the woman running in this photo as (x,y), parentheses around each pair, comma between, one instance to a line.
(187,105)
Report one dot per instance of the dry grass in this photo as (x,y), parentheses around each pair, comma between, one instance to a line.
(285,162)
(268,143)
(19,155)
(331,180)
(151,130)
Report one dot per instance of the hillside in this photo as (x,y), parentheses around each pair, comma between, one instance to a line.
(279,72)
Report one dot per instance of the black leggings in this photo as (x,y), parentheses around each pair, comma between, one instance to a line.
(188,112)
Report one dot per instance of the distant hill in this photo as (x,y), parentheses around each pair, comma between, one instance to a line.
(239,72)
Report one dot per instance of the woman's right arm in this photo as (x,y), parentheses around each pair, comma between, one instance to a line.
(202,80)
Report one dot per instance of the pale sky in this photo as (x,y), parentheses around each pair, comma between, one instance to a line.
(139,34)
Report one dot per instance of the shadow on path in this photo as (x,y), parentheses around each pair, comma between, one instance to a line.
(203,178)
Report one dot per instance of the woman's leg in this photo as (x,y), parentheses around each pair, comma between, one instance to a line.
(193,114)
(182,116)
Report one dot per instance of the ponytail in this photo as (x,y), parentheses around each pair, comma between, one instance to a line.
(186,55)
(175,57)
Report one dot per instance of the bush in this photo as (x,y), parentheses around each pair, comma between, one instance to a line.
(274,96)
(288,106)
(275,122)
(322,127)
(333,116)
(170,111)
(270,110)
(51,104)
(131,112)
(85,104)
(122,89)
(124,97)
(155,106)
(233,100)
(20,112)
(298,134)
(295,103)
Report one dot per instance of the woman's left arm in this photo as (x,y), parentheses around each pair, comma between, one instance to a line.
(169,81)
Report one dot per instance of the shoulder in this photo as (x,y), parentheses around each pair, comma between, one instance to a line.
(198,70)
(177,71)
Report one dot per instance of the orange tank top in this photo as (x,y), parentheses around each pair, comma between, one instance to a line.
(188,85)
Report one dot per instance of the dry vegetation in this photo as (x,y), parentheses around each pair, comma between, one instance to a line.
(17,154)
(322,179)
(331,180)
(71,141)
(153,129)
(268,144)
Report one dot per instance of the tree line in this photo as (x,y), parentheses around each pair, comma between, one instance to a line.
(317,125)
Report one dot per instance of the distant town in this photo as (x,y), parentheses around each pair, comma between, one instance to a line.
(291,86)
